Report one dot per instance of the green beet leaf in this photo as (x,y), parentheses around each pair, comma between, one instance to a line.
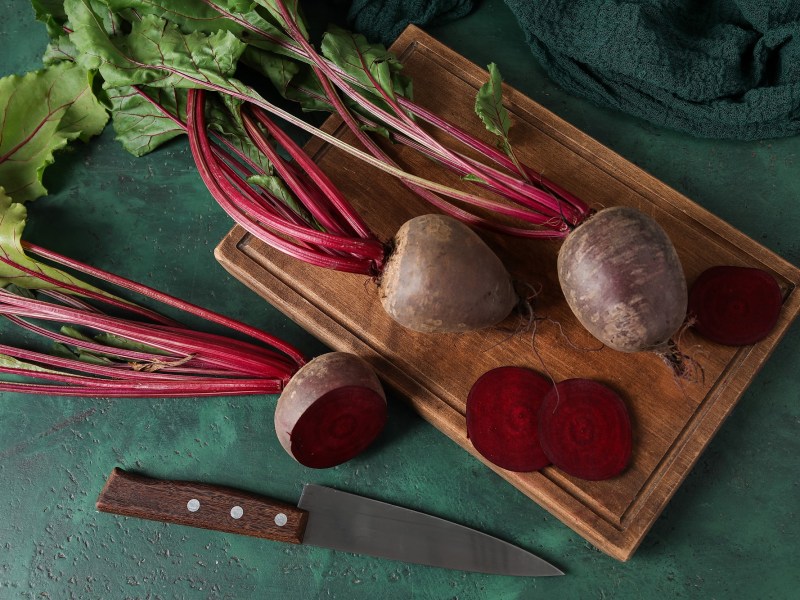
(60,49)
(281,71)
(141,127)
(154,53)
(371,64)
(293,6)
(242,19)
(223,117)
(162,62)
(489,105)
(295,81)
(74,353)
(43,111)
(51,13)
(10,362)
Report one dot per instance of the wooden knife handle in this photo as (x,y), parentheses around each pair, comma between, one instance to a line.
(201,505)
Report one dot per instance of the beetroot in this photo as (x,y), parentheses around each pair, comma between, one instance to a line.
(585,430)
(622,278)
(439,275)
(735,306)
(502,422)
(330,411)
(442,277)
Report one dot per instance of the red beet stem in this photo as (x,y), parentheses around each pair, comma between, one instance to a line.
(230,198)
(127,389)
(317,175)
(290,351)
(494,154)
(502,417)
(402,124)
(174,361)
(178,342)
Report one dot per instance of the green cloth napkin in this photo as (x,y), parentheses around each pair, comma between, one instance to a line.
(384,20)
(713,68)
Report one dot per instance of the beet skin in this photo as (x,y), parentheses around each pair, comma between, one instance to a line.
(442,277)
(622,278)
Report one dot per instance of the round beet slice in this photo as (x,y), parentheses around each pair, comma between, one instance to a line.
(735,306)
(585,429)
(330,411)
(502,417)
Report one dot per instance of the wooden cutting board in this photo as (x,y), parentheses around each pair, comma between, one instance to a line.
(673,420)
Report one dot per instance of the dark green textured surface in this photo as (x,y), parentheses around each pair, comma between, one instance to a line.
(731,531)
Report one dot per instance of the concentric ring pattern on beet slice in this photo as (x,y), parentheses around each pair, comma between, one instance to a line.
(338,426)
(735,306)
(502,414)
(585,429)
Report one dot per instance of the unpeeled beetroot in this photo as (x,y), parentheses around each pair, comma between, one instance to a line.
(330,411)
(442,277)
(623,280)
(735,306)
(585,429)
(502,417)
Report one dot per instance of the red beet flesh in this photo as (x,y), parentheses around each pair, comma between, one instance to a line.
(585,429)
(330,410)
(502,421)
(338,426)
(735,306)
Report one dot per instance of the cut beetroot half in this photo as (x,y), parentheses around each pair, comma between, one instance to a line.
(585,429)
(502,415)
(337,427)
(330,411)
(735,306)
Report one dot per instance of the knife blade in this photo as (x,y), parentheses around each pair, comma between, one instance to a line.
(324,517)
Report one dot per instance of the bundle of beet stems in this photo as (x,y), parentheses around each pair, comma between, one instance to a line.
(330,408)
(619,271)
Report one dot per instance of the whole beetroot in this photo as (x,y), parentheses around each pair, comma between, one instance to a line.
(622,278)
(442,277)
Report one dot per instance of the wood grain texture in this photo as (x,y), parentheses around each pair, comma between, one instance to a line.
(201,505)
(672,421)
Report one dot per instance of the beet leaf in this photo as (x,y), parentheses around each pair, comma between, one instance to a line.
(42,112)
(489,107)
(155,52)
(144,122)
(376,70)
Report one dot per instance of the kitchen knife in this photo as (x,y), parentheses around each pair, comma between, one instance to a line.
(324,517)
